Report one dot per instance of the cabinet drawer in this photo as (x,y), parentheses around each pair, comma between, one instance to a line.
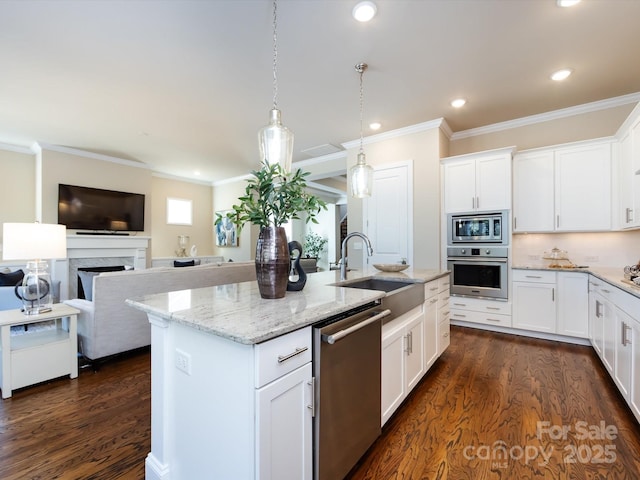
(431,289)
(443,298)
(534,276)
(444,283)
(481,317)
(444,335)
(282,355)
(480,305)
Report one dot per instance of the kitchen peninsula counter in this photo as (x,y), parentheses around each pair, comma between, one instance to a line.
(238,313)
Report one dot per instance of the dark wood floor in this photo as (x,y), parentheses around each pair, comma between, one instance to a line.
(474,416)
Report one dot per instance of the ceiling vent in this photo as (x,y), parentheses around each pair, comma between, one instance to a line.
(321,150)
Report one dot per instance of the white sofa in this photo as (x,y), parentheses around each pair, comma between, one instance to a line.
(107,325)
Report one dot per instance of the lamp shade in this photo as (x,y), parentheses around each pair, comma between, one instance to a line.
(25,241)
(361,178)
(276,142)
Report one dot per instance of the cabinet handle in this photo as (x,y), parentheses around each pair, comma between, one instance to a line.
(409,343)
(459,315)
(625,340)
(605,291)
(493,319)
(533,276)
(460,304)
(557,221)
(312,406)
(598,305)
(493,308)
(553,294)
(515,223)
(298,351)
(444,314)
(478,203)
(473,203)
(433,300)
(446,335)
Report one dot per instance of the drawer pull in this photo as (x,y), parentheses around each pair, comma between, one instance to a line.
(459,315)
(434,300)
(493,319)
(460,304)
(298,351)
(493,308)
(533,276)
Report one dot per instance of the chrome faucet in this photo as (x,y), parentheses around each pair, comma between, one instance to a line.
(343,259)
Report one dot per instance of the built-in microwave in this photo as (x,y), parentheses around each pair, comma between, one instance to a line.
(478,227)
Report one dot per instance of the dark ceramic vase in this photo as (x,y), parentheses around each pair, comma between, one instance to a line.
(272,262)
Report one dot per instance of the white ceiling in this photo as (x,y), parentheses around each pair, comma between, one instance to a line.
(185,85)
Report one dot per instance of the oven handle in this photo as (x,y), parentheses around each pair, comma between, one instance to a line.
(331,339)
(478,259)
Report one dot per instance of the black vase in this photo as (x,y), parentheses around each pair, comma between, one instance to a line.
(272,262)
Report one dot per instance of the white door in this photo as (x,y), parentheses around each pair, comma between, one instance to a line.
(388,215)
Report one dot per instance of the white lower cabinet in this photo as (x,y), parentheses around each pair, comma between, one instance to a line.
(614,331)
(444,330)
(402,358)
(478,310)
(284,425)
(551,302)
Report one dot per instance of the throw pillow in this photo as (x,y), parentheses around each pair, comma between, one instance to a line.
(11,279)
(86,278)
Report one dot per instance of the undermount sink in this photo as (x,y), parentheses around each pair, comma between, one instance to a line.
(376,284)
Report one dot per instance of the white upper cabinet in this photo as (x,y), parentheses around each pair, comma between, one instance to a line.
(533,192)
(628,212)
(478,181)
(563,189)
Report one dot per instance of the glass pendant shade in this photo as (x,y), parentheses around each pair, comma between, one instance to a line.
(361,178)
(276,142)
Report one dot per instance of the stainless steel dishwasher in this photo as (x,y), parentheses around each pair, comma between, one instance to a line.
(347,371)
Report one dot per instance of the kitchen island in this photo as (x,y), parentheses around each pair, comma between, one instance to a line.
(231,376)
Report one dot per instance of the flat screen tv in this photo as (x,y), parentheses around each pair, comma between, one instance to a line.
(86,208)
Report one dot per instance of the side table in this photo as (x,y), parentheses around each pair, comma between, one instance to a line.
(38,356)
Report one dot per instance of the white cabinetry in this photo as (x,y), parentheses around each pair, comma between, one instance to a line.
(284,408)
(477,310)
(402,358)
(534,300)
(444,330)
(563,188)
(615,334)
(478,181)
(431,322)
(551,302)
(229,409)
(629,173)
(573,304)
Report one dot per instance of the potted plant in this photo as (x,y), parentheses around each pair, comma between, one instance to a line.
(314,244)
(272,198)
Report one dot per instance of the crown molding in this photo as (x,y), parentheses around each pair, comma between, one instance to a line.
(92,155)
(167,176)
(399,132)
(548,116)
(15,148)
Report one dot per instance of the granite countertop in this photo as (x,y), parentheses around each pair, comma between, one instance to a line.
(612,275)
(238,313)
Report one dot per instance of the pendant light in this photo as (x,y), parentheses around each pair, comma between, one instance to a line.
(275,140)
(361,173)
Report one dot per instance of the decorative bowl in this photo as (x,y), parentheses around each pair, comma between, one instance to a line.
(390,267)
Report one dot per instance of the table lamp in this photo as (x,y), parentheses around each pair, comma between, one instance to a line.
(39,241)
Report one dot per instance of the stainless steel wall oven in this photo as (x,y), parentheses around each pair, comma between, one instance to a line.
(479,271)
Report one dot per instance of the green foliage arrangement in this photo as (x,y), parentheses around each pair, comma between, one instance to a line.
(314,244)
(273,197)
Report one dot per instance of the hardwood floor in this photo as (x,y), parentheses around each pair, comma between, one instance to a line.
(495,406)
(487,388)
(96,427)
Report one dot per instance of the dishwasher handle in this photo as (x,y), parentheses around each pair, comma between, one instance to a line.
(333,338)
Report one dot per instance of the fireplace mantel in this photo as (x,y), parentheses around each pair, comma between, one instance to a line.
(101,247)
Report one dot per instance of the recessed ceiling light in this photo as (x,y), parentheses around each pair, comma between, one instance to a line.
(196,173)
(364,11)
(458,102)
(561,74)
(567,3)
(375,126)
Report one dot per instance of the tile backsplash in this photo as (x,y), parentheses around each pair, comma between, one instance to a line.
(606,249)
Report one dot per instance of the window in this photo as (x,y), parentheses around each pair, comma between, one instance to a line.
(179,211)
